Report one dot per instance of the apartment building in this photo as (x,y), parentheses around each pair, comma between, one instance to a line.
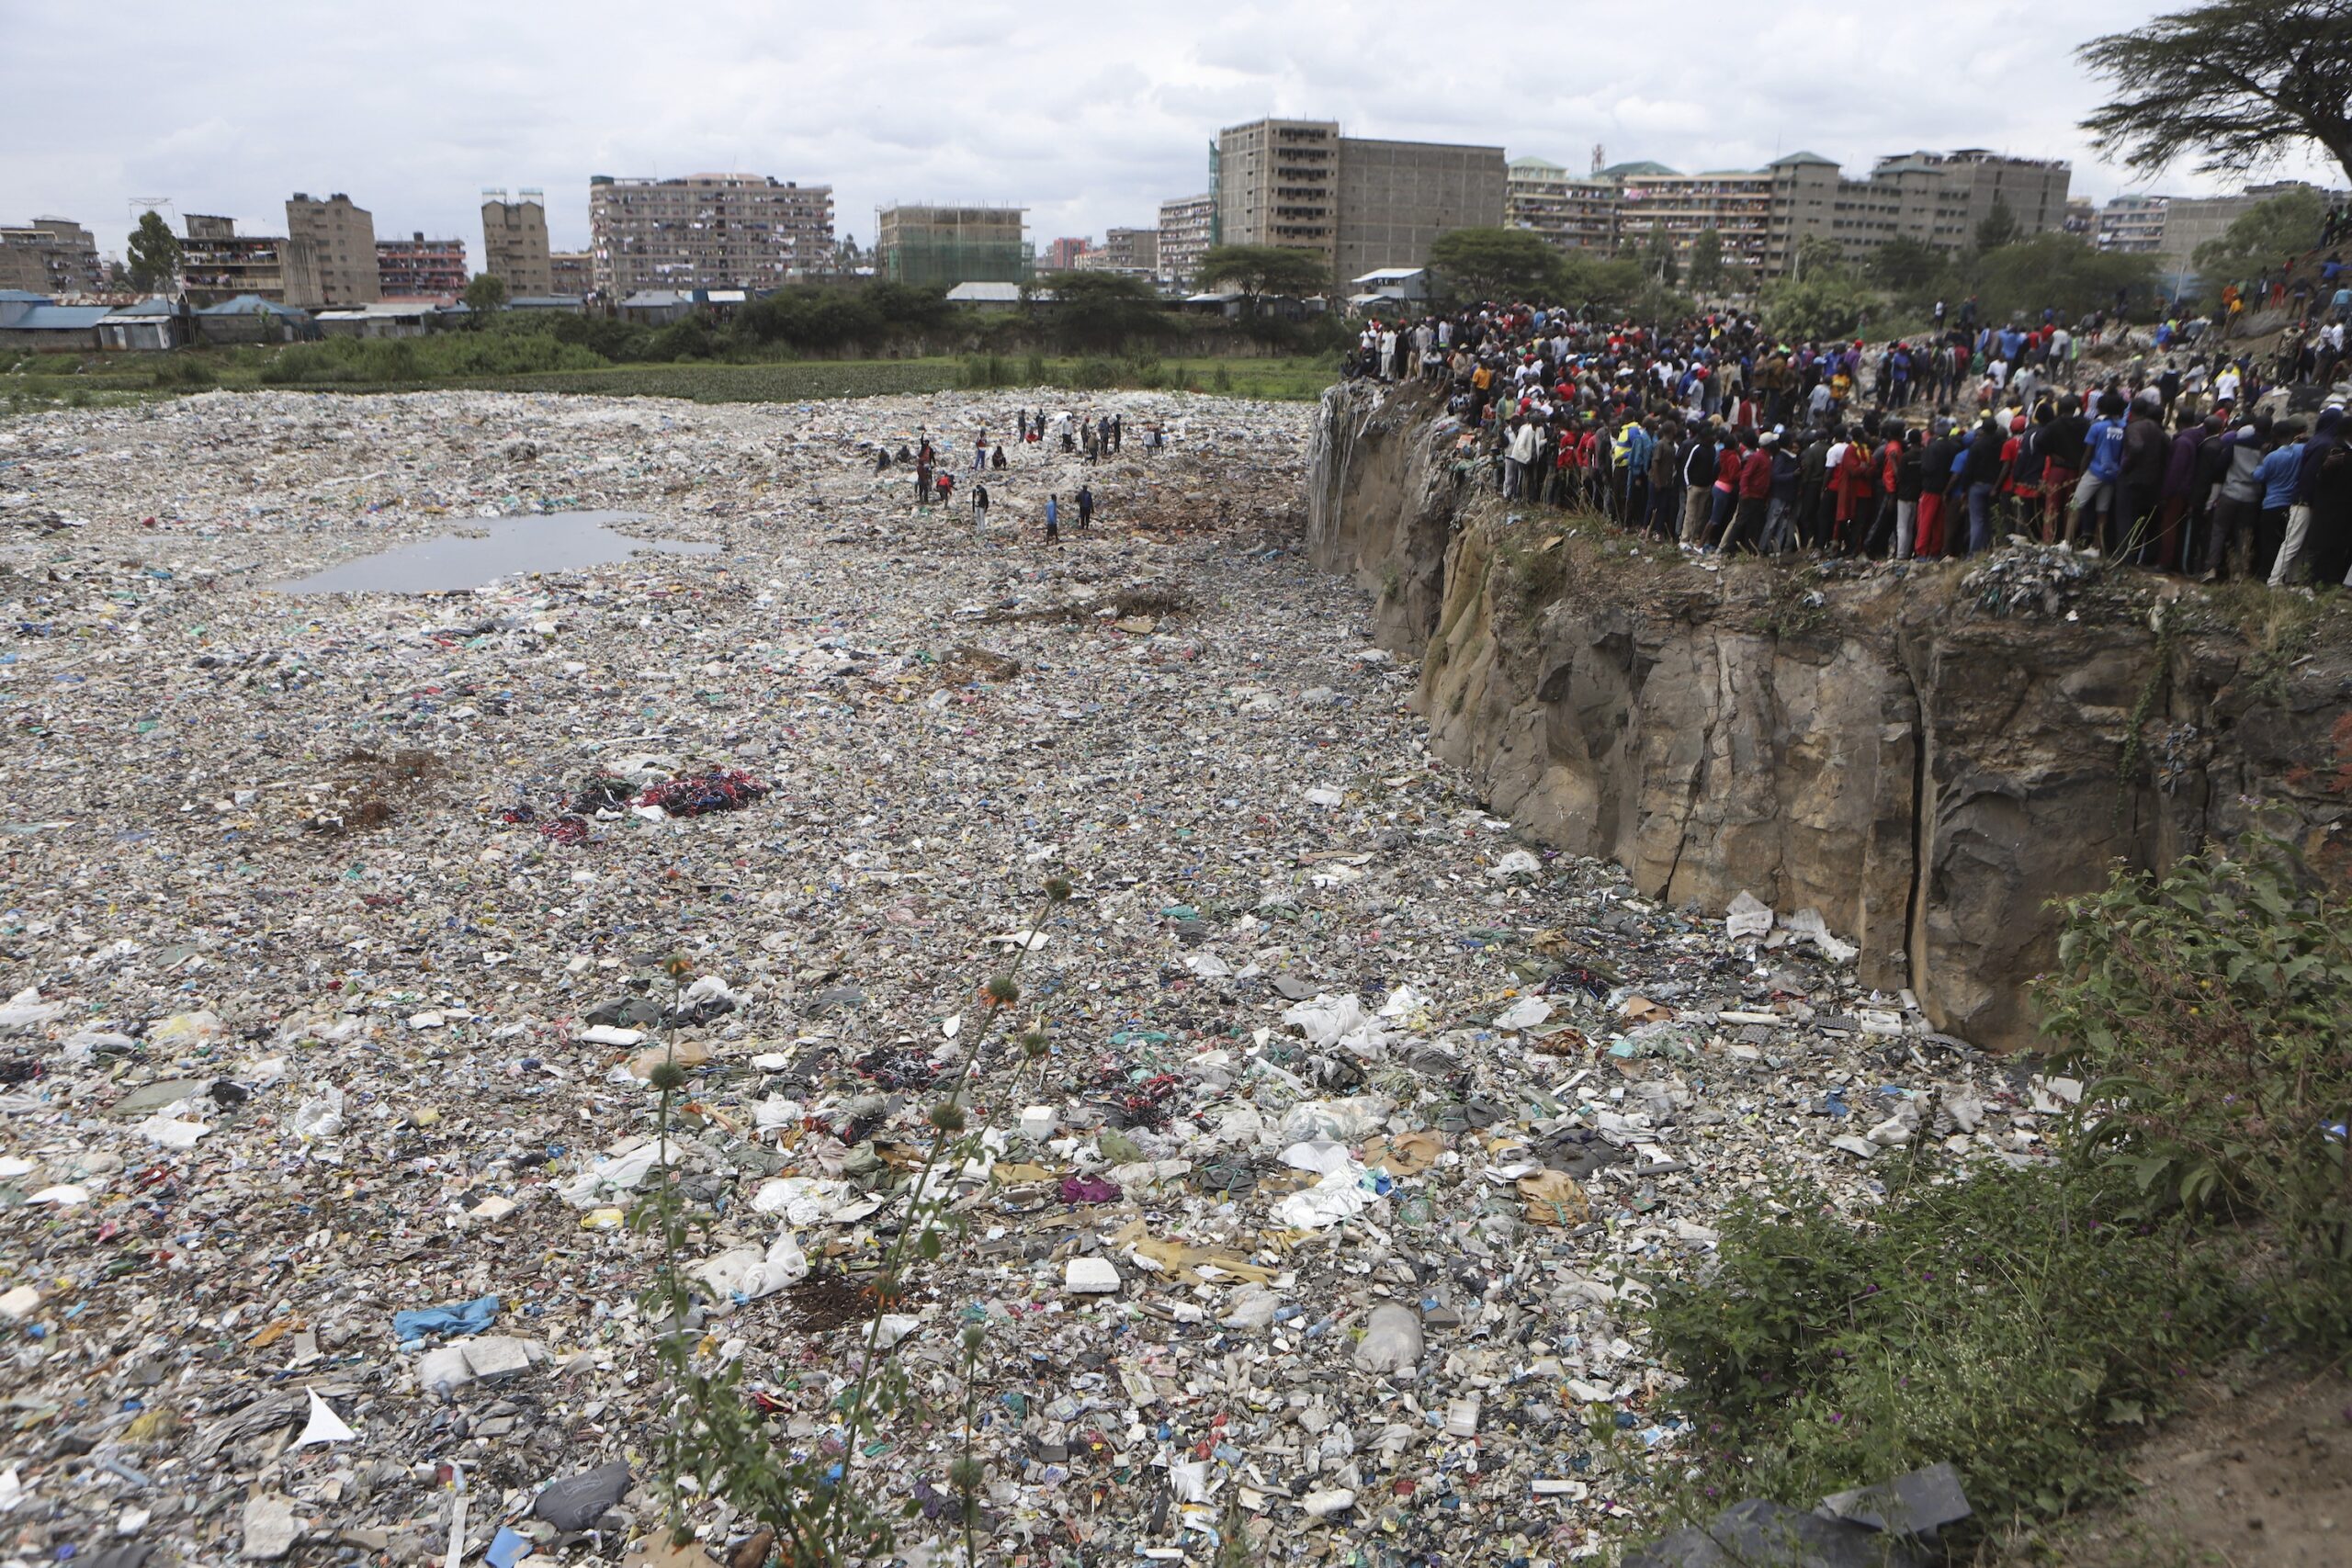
(1935,198)
(570,272)
(1735,204)
(1574,213)
(1187,228)
(218,263)
(1360,204)
(1131,253)
(419,268)
(51,256)
(940,247)
(1062,255)
(2133,224)
(705,231)
(515,243)
(343,239)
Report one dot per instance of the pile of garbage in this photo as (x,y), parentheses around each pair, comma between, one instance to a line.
(1327,1213)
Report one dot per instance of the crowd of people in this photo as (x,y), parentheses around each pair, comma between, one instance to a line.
(1713,434)
(1097,437)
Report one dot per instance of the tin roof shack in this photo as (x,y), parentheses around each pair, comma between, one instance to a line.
(32,324)
(152,325)
(249,317)
(382,319)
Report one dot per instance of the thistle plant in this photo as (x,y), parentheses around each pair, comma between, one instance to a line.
(720,1439)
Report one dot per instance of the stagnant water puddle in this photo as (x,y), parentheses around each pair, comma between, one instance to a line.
(561,541)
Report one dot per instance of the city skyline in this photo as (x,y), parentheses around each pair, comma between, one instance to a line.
(1087,118)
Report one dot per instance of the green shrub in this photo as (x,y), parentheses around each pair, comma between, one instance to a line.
(1095,374)
(1033,370)
(2211,1014)
(185,370)
(1996,1322)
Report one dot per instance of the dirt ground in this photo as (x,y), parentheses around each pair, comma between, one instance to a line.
(2262,1475)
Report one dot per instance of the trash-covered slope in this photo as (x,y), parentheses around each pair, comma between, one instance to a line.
(334,924)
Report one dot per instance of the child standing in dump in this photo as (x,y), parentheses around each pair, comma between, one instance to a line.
(1053,519)
(981,512)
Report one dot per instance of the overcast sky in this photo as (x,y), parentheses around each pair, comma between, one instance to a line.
(1088,113)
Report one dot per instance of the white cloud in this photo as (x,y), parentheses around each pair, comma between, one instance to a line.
(1088,113)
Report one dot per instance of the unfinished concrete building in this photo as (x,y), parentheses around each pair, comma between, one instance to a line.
(706,232)
(343,236)
(515,243)
(943,246)
(1278,184)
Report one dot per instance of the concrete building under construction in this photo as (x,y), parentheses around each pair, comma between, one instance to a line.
(943,246)
(515,243)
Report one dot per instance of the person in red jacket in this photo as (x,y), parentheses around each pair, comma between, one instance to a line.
(1754,492)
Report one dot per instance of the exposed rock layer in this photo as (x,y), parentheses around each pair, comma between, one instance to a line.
(1927,775)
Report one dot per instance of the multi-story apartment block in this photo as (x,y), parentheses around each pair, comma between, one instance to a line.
(515,243)
(943,246)
(571,271)
(218,263)
(419,268)
(1063,254)
(343,238)
(1359,204)
(1132,253)
(51,256)
(1935,198)
(1278,184)
(2133,224)
(706,232)
(1735,204)
(1187,228)
(1572,213)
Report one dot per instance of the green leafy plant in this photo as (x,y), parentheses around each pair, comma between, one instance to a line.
(2207,1012)
(1994,1321)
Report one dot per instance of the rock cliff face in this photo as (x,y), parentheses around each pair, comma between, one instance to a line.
(1927,774)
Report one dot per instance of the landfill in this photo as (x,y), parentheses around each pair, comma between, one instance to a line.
(345,934)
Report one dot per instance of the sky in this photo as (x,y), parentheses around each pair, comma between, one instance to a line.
(1088,113)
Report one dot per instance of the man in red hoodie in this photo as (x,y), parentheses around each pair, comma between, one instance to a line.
(1755,493)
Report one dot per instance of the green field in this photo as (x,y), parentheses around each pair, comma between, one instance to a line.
(46,382)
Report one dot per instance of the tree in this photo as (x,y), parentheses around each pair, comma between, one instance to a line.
(1706,259)
(1818,256)
(486,295)
(2237,83)
(1257,270)
(2263,236)
(1904,263)
(153,254)
(2056,271)
(1495,264)
(1657,256)
(1104,310)
(1819,305)
(1999,227)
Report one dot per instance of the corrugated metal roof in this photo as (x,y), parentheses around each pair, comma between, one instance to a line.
(57,318)
(246,304)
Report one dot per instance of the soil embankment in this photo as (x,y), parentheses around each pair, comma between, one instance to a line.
(1926,757)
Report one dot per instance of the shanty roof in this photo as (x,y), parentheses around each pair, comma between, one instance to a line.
(985,294)
(56,319)
(248,305)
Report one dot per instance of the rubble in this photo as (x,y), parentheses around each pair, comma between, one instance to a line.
(1359,1127)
